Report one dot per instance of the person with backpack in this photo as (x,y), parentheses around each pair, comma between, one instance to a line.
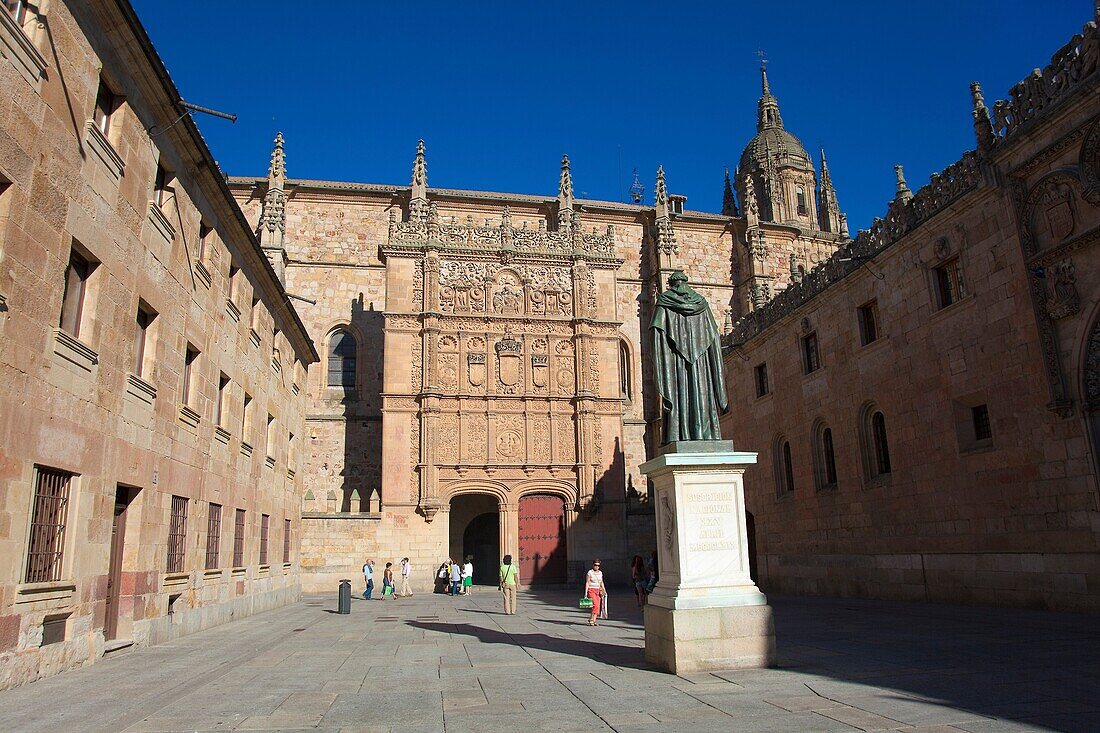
(509,581)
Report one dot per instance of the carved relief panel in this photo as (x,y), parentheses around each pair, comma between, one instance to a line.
(492,288)
(447,363)
(508,439)
(509,353)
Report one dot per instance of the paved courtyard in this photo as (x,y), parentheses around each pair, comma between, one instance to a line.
(433,663)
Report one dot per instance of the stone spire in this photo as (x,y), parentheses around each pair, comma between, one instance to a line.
(729,203)
(828,207)
(767,109)
(565,195)
(666,236)
(983,125)
(903,193)
(271,230)
(418,196)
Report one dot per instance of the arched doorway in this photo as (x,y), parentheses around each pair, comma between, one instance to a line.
(475,531)
(542,550)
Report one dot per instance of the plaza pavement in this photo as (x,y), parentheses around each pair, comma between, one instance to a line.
(435,663)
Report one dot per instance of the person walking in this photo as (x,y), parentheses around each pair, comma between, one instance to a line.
(509,580)
(468,576)
(456,578)
(368,577)
(640,575)
(406,591)
(595,590)
(387,581)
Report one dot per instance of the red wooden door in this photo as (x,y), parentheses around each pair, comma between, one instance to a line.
(542,558)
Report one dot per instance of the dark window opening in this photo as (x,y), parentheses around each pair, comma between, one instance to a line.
(881,449)
(788,469)
(949,282)
(238,540)
(810,359)
(265,522)
(342,360)
(828,457)
(106,103)
(286,540)
(983,429)
(868,322)
(760,374)
(76,284)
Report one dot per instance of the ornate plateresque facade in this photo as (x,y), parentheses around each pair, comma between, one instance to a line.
(484,353)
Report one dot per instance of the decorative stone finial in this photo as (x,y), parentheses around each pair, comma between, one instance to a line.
(983,125)
(276,172)
(729,203)
(418,196)
(666,236)
(903,193)
(565,195)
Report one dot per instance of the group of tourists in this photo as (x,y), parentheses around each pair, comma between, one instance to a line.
(388,589)
(455,579)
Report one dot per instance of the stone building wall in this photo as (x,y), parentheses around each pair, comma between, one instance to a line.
(77,402)
(1001,512)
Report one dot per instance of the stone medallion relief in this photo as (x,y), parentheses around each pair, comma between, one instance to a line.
(492,288)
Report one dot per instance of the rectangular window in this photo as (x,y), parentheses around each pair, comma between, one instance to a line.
(189,359)
(238,540)
(177,534)
(200,247)
(17,9)
(983,429)
(106,103)
(949,282)
(214,537)
(270,444)
(810,360)
(219,405)
(760,373)
(868,322)
(162,186)
(265,523)
(53,629)
(46,547)
(286,540)
(76,285)
(144,321)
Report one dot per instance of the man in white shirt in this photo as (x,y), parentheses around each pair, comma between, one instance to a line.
(406,591)
(368,576)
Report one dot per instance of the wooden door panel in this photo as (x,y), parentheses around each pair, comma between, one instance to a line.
(542,553)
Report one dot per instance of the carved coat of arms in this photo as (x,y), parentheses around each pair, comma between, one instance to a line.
(509,361)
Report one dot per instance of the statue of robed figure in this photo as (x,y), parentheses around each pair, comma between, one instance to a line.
(688,364)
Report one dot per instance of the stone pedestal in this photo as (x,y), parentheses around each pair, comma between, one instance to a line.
(705,613)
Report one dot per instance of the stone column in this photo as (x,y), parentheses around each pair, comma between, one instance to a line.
(705,613)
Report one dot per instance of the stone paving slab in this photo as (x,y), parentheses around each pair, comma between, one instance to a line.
(434,664)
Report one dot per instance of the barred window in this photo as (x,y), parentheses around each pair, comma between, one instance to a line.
(46,548)
(760,373)
(177,535)
(868,322)
(811,361)
(286,540)
(949,282)
(214,537)
(265,522)
(238,540)
(880,446)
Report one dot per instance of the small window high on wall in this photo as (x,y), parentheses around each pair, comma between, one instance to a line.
(625,387)
(341,360)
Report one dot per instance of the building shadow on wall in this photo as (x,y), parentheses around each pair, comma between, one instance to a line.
(362,471)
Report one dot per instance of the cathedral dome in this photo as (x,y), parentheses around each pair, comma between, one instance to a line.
(776,144)
(772,144)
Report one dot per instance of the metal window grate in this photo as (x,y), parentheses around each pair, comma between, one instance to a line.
(265,522)
(238,540)
(214,537)
(983,429)
(286,540)
(177,534)
(47,540)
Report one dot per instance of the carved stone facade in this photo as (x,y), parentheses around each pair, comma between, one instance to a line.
(956,368)
(501,342)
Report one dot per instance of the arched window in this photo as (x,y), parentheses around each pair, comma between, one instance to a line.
(784,467)
(625,387)
(800,194)
(341,360)
(824,457)
(881,449)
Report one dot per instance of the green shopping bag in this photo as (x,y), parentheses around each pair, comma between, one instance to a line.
(585,603)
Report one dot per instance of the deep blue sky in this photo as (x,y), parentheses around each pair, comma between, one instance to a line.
(499,90)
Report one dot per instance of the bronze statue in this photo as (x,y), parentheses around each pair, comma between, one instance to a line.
(688,364)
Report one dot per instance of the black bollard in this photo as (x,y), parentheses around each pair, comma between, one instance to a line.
(345,596)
